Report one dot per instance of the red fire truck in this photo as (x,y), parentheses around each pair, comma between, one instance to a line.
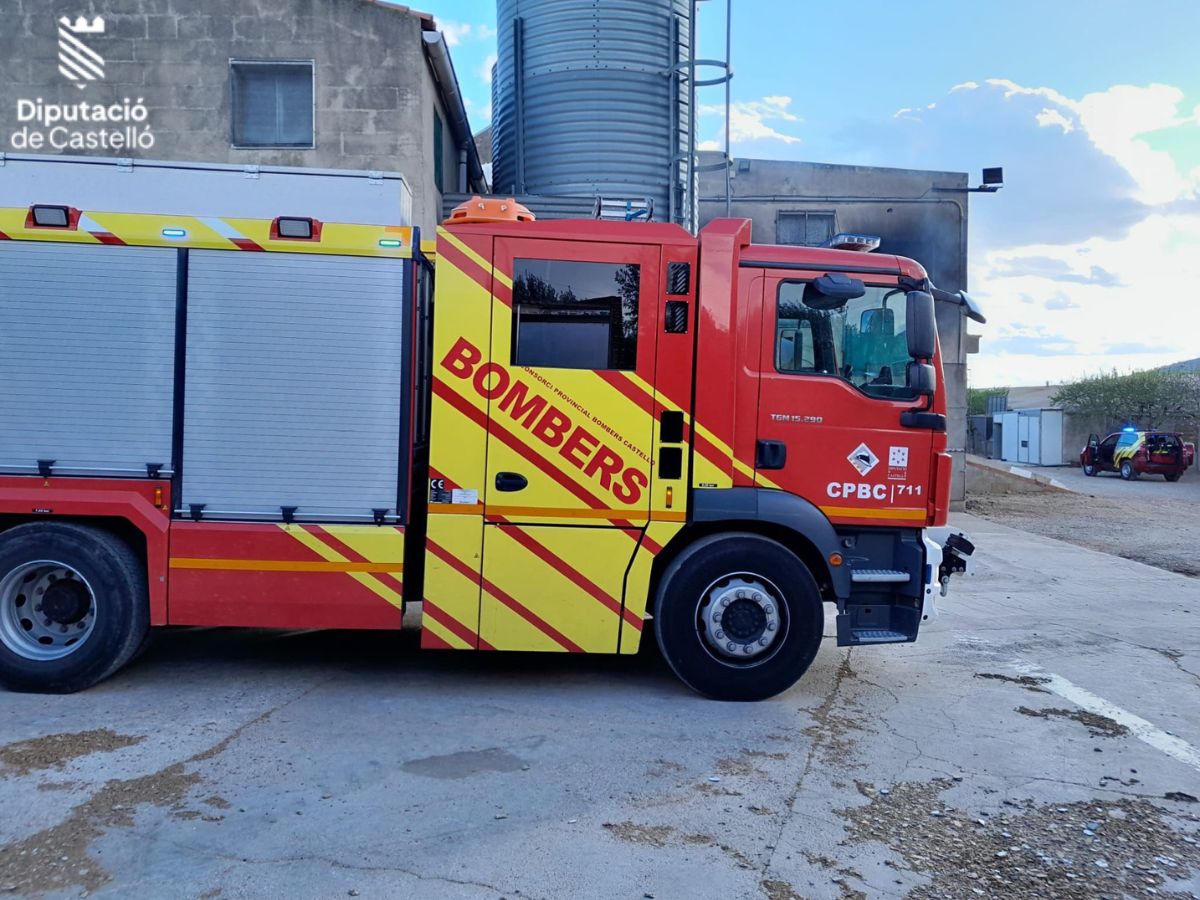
(587,429)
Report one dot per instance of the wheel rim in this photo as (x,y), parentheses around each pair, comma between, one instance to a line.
(741,619)
(47,610)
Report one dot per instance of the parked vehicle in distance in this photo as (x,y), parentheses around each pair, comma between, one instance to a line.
(1133,453)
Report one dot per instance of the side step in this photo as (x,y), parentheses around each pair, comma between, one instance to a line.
(878,636)
(877,623)
(879,576)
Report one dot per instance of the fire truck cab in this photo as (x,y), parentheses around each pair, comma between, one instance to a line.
(582,430)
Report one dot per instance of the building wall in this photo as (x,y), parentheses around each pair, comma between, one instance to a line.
(918,214)
(374,91)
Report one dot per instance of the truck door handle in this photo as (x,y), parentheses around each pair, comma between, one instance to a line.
(770,455)
(511,481)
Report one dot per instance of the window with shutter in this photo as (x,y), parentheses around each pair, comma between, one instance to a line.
(272,103)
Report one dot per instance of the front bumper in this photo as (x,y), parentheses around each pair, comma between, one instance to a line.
(948,551)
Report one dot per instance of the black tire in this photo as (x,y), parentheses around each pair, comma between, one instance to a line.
(1089,469)
(706,568)
(114,595)
(1174,476)
(1127,471)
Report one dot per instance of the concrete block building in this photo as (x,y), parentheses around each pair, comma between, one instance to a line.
(334,84)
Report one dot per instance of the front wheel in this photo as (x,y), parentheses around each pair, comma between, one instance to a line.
(1089,469)
(1127,471)
(738,617)
(73,606)
(1174,476)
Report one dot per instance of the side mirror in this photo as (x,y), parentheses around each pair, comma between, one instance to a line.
(921,379)
(881,321)
(832,291)
(920,325)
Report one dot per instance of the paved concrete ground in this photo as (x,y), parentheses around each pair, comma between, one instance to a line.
(1148,520)
(1110,484)
(1025,746)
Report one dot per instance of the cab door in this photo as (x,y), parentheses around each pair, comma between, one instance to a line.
(570,431)
(832,389)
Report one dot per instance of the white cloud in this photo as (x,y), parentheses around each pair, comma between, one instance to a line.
(457,32)
(1115,120)
(485,68)
(749,120)
(1048,117)
(709,145)
(1081,325)
(1081,260)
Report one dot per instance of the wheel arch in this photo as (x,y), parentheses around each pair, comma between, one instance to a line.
(144,544)
(785,518)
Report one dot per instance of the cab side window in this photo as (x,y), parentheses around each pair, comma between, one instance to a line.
(863,342)
(575,315)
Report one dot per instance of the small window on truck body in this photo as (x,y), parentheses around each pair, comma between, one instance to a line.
(856,343)
(575,315)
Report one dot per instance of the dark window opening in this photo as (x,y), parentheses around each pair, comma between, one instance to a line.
(575,315)
(272,104)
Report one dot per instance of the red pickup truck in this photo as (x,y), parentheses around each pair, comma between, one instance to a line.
(1134,453)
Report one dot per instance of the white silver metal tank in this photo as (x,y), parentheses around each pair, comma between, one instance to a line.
(589,100)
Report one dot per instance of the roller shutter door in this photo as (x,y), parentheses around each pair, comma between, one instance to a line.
(295,383)
(86,357)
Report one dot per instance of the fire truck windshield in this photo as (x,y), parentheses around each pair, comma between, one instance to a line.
(863,342)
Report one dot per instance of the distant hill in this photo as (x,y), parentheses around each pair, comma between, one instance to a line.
(1188,365)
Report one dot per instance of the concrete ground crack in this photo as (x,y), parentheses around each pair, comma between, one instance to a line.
(821,716)
(338,864)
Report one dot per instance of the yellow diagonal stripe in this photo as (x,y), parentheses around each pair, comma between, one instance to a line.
(361,576)
(476,258)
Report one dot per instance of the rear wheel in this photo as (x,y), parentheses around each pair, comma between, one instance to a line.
(1174,476)
(73,606)
(738,617)
(1127,471)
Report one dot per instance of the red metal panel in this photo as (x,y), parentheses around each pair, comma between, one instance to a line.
(721,244)
(130,500)
(265,576)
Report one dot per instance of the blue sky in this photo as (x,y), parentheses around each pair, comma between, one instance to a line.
(1083,259)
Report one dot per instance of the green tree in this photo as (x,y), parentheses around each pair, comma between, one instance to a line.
(1147,399)
(977,399)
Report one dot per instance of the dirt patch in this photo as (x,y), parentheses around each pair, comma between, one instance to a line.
(57,857)
(739,766)
(653,835)
(836,721)
(763,755)
(54,751)
(57,785)
(661,768)
(779,890)
(1161,531)
(666,835)
(1097,725)
(1092,848)
(1029,682)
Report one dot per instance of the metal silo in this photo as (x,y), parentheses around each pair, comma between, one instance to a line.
(590,99)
